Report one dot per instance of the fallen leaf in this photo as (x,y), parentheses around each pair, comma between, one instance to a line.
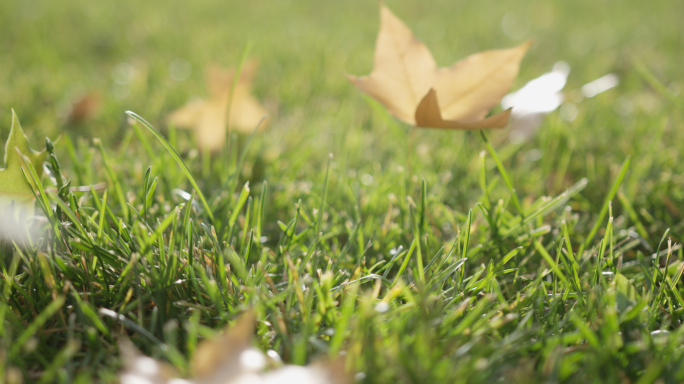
(230,359)
(83,108)
(220,358)
(208,118)
(407,81)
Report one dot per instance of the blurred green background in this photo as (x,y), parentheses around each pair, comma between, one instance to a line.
(126,51)
(150,56)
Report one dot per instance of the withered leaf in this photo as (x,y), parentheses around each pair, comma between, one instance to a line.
(83,108)
(209,118)
(229,358)
(407,81)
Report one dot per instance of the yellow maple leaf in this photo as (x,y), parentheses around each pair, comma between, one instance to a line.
(407,81)
(208,117)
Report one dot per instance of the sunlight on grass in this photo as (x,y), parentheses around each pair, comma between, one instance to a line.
(409,255)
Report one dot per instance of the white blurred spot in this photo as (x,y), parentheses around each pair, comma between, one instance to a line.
(660,332)
(17,222)
(382,307)
(274,356)
(297,375)
(252,360)
(180,69)
(600,85)
(541,95)
(127,378)
(249,378)
(184,195)
(179,381)
(366,179)
(146,366)
(535,99)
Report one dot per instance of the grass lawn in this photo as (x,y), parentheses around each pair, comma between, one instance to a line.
(418,255)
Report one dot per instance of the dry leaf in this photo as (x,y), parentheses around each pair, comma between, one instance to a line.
(83,108)
(208,117)
(222,357)
(230,359)
(407,81)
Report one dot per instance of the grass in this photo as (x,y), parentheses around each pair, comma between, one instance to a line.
(422,255)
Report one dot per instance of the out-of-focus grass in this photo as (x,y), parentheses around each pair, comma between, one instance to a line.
(475,322)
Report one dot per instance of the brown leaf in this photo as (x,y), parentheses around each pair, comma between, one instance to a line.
(428,115)
(407,81)
(230,359)
(208,117)
(220,357)
(84,108)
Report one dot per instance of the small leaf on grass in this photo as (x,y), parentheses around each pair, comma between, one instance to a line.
(16,196)
(208,118)
(83,108)
(13,186)
(407,81)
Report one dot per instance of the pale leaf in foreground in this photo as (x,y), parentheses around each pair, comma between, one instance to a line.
(230,359)
(14,190)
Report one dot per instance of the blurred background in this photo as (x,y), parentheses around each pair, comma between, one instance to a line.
(106,57)
(72,67)
(150,56)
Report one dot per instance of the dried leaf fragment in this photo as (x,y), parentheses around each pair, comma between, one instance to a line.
(209,118)
(428,114)
(83,108)
(407,81)
(230,359)
(221,357)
